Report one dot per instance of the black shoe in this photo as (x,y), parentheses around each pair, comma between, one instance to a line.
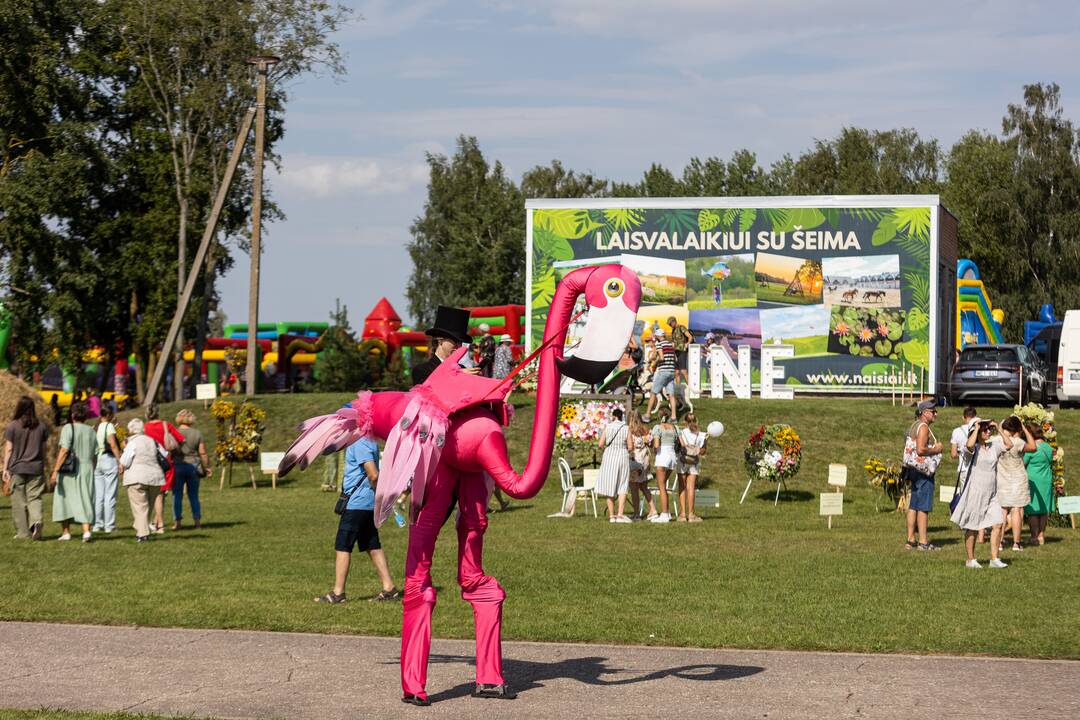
(35,531)
(416,700)
(498,692)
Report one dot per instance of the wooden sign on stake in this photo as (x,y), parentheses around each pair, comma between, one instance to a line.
(831,504)
(1067,506)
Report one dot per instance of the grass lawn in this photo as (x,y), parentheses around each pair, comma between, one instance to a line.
(752,575)
(775,293)
(807,346)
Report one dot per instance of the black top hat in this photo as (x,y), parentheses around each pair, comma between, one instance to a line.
(451,322)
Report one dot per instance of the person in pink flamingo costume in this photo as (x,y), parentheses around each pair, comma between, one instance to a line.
(444,439)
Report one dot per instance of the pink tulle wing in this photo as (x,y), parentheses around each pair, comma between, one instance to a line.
(327,434)
(413,448)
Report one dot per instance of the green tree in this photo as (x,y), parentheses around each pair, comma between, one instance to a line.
(468,248)
(57,181)
(194,82)
(868,162)
(1017,200)
(554,181)
(343,367)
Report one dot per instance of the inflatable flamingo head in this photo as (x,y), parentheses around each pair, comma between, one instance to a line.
(613,294)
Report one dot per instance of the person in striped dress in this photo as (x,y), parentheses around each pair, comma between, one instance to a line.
(614,477)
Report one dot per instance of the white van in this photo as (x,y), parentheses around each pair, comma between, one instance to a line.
(1068,370)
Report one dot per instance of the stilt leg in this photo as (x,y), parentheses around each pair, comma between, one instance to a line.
(418,603)
(483,592)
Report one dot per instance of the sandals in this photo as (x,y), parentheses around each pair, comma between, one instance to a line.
(928,546)
(910,545)
(694,518)
(386,596)
(331,598)
(416,700)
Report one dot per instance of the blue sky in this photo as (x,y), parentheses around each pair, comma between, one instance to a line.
(611,86)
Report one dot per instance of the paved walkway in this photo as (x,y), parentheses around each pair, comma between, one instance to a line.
(228,673)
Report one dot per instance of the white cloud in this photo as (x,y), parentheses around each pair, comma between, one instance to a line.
(383,18)
(321,176)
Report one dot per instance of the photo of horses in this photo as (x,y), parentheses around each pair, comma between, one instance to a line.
(862,281)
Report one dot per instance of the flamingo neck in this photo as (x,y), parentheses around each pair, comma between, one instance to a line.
(542,442)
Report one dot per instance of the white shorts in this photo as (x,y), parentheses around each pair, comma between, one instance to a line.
(685,469)
(665,458)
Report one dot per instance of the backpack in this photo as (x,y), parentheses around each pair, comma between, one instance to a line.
(680,337)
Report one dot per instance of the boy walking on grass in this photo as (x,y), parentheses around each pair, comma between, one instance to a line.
(357,524)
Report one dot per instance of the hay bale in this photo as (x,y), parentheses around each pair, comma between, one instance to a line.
(11,389)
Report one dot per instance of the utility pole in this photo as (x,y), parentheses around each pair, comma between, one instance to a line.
(263,63)
(200,254)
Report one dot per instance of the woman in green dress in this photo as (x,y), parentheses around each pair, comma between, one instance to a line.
(1040,470)
(74,498)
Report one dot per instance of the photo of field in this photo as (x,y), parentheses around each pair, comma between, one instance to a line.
(806,328)
(657,316)
(663,280)
(780,280)
(861,281)
(731,327)
(720,281)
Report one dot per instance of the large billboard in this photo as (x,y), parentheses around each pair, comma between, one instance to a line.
(848,282)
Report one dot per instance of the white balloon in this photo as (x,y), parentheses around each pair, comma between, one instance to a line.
(716,428)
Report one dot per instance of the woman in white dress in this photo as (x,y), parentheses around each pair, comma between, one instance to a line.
(978,507)
(615,466)
(639,443)
(1013,493)
(665,439)
(693,443)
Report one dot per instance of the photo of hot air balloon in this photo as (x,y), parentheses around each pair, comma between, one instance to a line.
(723,281)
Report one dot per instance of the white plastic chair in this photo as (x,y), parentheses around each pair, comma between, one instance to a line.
(588,489)
(569,492)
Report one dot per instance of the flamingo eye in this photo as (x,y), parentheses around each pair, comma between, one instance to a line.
(614,288)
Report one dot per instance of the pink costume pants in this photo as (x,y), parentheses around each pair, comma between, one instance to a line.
(481,591)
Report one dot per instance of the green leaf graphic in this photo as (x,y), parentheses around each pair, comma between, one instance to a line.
(917,320)
(832,216)
(543,290)
(885,232)
(680,221)
(805,218)
(776,217)
(869,214)
(624,218)
(917,352)
(746,218)
(913,221)
(567,223)
(730,216)
(551,244)
(707,220)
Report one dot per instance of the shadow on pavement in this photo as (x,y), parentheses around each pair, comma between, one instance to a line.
(525,675)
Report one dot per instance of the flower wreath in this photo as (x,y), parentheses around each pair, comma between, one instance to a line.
(773,453)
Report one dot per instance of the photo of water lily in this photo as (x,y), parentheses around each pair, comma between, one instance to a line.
(867,332)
